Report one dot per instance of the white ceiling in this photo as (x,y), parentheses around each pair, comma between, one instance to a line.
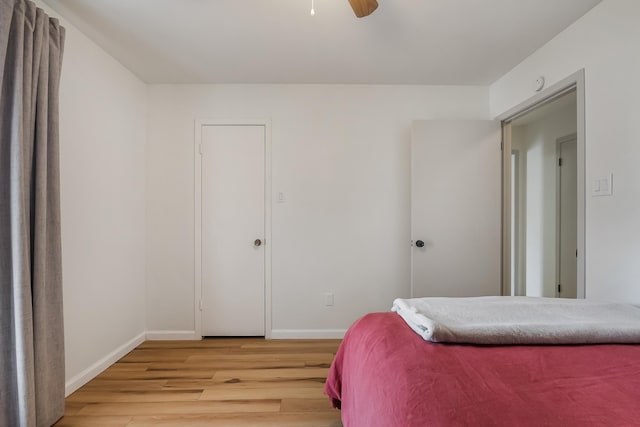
(467,42)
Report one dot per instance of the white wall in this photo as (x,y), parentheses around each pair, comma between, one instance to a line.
(102,139)
(341,156)
(537,143)
(605,43)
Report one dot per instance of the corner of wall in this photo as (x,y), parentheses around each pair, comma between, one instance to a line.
(94,370)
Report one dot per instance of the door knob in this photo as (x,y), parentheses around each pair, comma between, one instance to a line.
(257,242)
(420,243)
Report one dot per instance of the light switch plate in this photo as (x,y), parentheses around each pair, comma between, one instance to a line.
(602,186)
(328,299)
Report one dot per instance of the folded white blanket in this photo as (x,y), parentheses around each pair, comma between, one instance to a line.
(520,320)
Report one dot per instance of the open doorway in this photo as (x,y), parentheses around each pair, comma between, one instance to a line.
(543,196)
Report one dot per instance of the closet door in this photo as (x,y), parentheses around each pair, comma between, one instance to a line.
(233,229)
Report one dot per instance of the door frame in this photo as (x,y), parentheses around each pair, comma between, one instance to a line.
(517,253)
(573,82)
(197,161)
(559,142)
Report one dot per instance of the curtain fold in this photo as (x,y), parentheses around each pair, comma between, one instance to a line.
(31,316)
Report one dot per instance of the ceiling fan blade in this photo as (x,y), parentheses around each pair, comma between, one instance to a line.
(363,7)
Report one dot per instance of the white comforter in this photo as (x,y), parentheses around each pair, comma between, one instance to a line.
(520,320)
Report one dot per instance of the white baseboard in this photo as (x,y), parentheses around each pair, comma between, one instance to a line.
(285,334)
(172,335)
(94,370)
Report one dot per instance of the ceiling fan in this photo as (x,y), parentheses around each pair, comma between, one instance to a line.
(363,8)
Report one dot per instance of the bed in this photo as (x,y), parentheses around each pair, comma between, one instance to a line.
(385,374)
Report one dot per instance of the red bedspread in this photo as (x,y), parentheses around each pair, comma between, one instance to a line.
(385,375)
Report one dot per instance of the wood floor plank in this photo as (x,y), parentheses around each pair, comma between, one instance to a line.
(242,385)
(230,382)
(88,396)
(156,375)
(72,408)
(177,408)
(299,404)
(160,355)
(225,343)
(94,421)
(298,344)
(124,384)
(281,419)
(128,367)
(326,357)
(214,364)
(222,393)
(290,350)
(270,374)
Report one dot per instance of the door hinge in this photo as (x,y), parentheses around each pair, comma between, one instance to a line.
(200,304)
(560,161)
(501,146)
(559,288)
(200,149)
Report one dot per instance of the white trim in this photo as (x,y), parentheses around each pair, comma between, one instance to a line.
(289,334)
(172,336)
(505,226)
(547,95)
(582,177)
(197,226)
(199,123)
(267,229)
(515,214)
(94,370)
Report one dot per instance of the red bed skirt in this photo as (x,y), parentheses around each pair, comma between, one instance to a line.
(385,375)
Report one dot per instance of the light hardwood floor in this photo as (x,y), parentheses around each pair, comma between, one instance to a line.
(228,382)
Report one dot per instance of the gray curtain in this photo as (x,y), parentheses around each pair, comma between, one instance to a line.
(31,323)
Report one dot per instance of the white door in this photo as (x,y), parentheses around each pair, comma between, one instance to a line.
(568,213)
(233,228)
(455,208)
